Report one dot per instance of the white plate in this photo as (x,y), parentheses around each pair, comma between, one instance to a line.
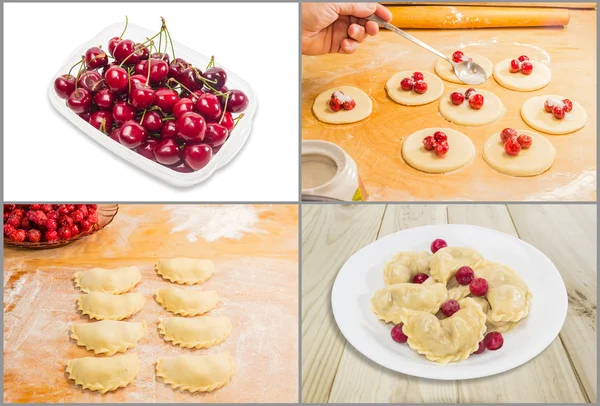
(230,149)
(362,275)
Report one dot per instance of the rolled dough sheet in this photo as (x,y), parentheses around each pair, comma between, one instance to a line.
(539,77)
(445,70)
(435,88)
(530,162)
(364,106)
(460,153)
(463,114)
(534,115)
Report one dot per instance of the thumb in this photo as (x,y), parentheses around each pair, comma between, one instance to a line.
(360,10)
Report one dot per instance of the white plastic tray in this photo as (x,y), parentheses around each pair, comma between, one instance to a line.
(233,145)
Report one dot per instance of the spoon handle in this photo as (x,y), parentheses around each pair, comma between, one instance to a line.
(409,37)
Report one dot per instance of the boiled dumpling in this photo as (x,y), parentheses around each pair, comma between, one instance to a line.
(499,326)
(388,302)
(446,261)
(405,265)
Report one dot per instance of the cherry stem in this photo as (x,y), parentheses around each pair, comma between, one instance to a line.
(224,107)
(96,57)
(211,63)
(237,120)
(179,83)
(125,29)
(137,47)
(103,126)
(160,39)
(168,35)
(143,115)
(72,67)
(168,118)
(149,53)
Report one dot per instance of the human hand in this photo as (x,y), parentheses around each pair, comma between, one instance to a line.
(338,27)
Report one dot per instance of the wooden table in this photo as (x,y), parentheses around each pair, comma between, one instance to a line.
(375,142)
(333,371)
(256,278)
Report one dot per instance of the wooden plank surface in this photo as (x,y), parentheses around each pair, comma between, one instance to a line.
(375,142)
(256,279)
(553,376)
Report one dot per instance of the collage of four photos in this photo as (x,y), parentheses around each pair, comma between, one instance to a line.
(300,202)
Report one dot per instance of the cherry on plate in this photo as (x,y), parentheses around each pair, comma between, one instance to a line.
(166,99)
(464,275)
(398,335)
(183,106)
(124,51)
(438,244)
(450,307)
(420,278)
(168,130)
(141,96)
(159,70)
(122,111)
(116,79)
(104,99)
(493,341)
(478,287)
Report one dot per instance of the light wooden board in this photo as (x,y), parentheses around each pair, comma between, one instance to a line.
(344,375)
(256,279)
(375,143)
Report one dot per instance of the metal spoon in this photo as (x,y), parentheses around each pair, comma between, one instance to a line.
(466,71)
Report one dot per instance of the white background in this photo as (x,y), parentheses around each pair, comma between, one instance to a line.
(46,158)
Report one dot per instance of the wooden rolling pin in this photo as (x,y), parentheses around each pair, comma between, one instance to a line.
(451,17)
(573,5)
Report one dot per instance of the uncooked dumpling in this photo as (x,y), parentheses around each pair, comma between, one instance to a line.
(463,114)
(446,261)
(362,110)
(405,265)
(113,281)
(448,340)
(535,116)
(498,326)
(103,306)
(108,336)
(104,374)
(539,77)
(387,302)
(435,88)
(193,373)
(187,302)
(185,271)
(195,332)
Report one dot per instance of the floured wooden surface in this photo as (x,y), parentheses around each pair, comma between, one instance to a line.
(256,278)
(375,142)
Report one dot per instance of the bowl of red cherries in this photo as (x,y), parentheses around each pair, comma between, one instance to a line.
(40,226)
(154,102)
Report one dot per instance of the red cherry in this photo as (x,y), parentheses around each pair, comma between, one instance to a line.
(122,111)
(141,96)
(437,245)
(334,104)
(458,56)
(506,134)
(95,58)
(215,135)
(197,156)
(407,84)
(558,112)
(420,278)
(450,307)
(159,55)
(182,167)
(512,146)
(441,149)
(183,106)
(141,68)
(80,100)
(191,126)
(166,99)
(104,99)
(64,85)
(457,98)
(197,93)
(524,141)
(116,79)
(190,79)
(440,136)
(228,122)
(469,92)
(348,105)
(493,341)
(429,143)
(167,152)
(515,66)
(132,134)
(159,70)
(481,348)
(124,51)
(208,105)
(168,130)
(141,51)
(112,43)
(420,87)
(398,335)
(91,80)
(568,105)
(102,120)
(464,275)
(176,68)
(152,121)
(523,58)
(548,107)
(526,68)
(238,101)
(146,149)
(476,101)
(135,80)
(217,77)
(418,76)
(478,287)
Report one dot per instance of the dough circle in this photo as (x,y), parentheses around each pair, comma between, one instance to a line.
(364,106)
(530,162)
(463,114)
(534,115)
(435,88)
(445,70)
(460,153)
(539,77)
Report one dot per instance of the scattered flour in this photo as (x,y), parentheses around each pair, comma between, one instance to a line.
(214,222)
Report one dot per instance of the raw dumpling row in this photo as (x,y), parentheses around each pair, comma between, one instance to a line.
(449,339)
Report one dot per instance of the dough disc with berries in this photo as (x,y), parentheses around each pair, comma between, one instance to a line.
(434,88)
(463,114)
(445,70)
(535,116)
(460,151)
(532,161)
(362,109)
(513,78)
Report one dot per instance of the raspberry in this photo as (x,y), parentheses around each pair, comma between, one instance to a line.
(438,244)
(335,105)
(417,76)
(398,335)
(46,208)
(52,215)
(34,235)
(51,224)
(92,208)
(476,101)
(17,213)
(93,218)
(512,146)
(568,105)
(440,136)
(51,236)
(526,68)
(85,226)
(65,221)
(493,341)
(35,206)
(70,207)
(558,112)
(77,216)
(420,278)
(74,230)
(506,134)
(464,275)
(523,58)
(450,307)
(457,98)
(18,235)
(25,223)
(14,221)
(8,229)
(420,87)
(481,348)
(478,287)
(407,84)
(515,66)
(524,141)
(457,56)
(83,209)
(62,210)
(64,233)
(429,143)
(469,92)
(9,207)
(441,149)
(40,218)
